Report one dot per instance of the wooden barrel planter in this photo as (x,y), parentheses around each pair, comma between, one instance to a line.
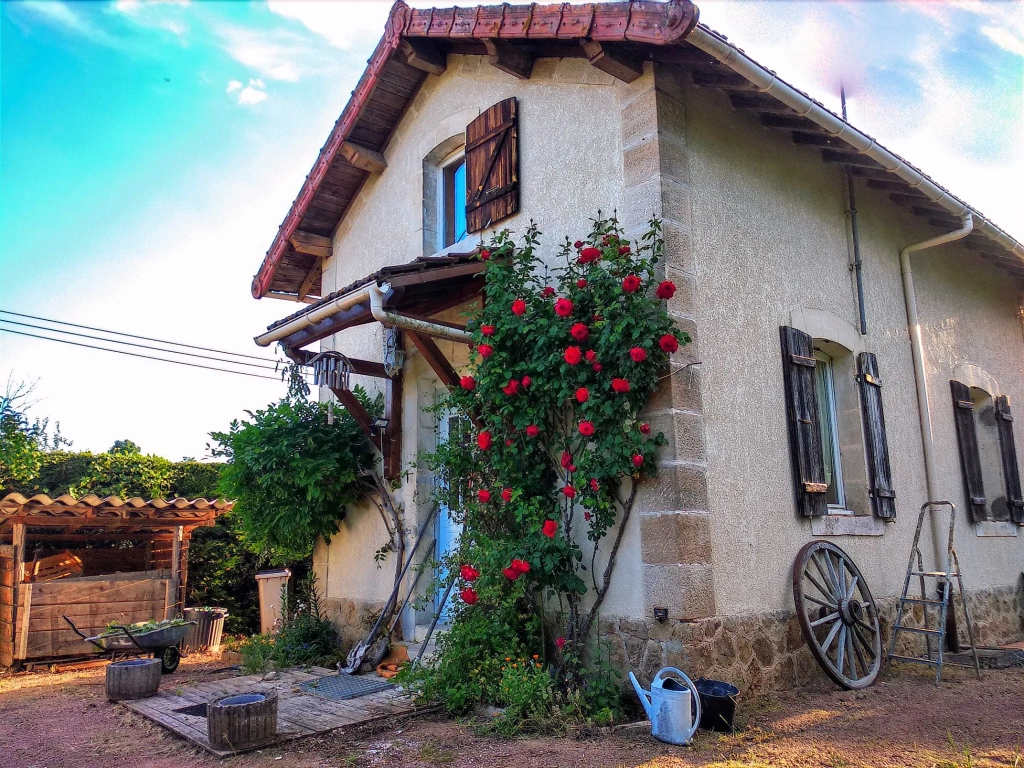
(242,721)
(205,636)
(133,679)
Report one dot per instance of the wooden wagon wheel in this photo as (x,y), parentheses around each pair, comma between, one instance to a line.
(837,614)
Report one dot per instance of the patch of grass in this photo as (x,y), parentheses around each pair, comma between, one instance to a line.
(962,755)
(435,755)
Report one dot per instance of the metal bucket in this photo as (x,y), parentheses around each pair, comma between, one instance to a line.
(717,704)
(205,635)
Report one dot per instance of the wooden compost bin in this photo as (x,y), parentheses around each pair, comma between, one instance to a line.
(123,584)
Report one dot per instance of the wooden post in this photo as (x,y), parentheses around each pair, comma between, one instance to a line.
(18,540)
(392,438)
(172,597)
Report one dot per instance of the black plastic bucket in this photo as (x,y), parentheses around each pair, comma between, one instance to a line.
(717,704)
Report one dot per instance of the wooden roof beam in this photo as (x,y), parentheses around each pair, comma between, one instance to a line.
(915,200)
(848,158)
(762,104)
(892,185)
(355,409)
(726,81)
(509,58)
(307,282)
(363,158)
(611,62)
(312,245)
(808,139)
(424,55)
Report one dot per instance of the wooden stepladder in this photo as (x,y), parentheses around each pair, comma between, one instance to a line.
(915,567)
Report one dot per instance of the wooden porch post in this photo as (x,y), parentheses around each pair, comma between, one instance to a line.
(173,592)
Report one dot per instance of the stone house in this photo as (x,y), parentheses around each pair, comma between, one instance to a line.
(777,214)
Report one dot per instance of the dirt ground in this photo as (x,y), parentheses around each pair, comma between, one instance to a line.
(61,720)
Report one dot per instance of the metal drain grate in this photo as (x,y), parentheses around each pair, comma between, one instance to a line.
(196,710)
(342,687)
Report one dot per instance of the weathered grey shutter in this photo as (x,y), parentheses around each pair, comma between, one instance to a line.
(883,497)
(492,166)
(970,459)
(1011,470)
(802,414)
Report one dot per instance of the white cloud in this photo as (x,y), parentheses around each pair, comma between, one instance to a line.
(250,95)
(343,24)
(278,55)
(62,15)
(1005,39)
(134,6)
(257,83)
(233,86)
(172,26)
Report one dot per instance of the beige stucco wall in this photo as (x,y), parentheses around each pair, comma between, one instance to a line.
(770,239)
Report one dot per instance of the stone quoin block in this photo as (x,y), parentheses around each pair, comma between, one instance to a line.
(675,538)
(639,117)
(687,591)
(641,161)
(678,486)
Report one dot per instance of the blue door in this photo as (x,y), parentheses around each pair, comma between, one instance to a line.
(447,532)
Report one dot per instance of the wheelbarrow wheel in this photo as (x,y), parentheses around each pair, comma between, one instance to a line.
(169,659)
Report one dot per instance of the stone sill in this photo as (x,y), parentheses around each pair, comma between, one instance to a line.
(847,525)
(995,528)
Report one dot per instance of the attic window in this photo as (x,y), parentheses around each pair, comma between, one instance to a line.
(453,199)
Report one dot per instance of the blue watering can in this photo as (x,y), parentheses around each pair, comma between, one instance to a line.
(668,705)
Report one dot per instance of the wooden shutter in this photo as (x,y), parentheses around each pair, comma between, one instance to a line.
(798,365)
(492,166)
(970,459)
(1011,470)
(883,497)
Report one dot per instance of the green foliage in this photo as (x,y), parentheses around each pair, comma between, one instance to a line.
(564,363)
(292,473)
(222,572)
(24,443)
(304,637)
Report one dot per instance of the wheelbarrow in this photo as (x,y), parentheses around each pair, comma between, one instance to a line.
(162,643)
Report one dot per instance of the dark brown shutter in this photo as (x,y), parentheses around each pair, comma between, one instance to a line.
(492,166)
(970,459)
(1011,470)
(802,414)
(883,497)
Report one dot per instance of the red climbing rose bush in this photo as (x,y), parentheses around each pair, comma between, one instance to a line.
(543,471)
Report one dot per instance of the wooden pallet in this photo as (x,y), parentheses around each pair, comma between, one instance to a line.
(299,714)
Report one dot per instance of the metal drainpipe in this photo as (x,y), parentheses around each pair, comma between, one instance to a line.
(384,317)
(917,349)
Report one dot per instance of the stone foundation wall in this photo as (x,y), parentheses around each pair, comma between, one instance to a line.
(766,652)
(352,619)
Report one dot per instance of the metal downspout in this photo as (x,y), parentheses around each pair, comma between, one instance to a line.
(917,350)
(385,317)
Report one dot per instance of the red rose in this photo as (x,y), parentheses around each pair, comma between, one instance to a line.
(645,429)
(485,255)
(579,331)
(469,573)
(586,428)
(639,354)
(484,495)
(638,460)
(563,307)
(487,330)
(566,460)
(623,249)
(597,367)
(588,255)
(582,394)
(518,307)
(511,388)
(485,350)
(581,283)
(569,491)
(578,244)
(630,283)
(573,355)
(484,441)
(560,643)
(620,385)
(527,381)
(549,529)
(520,566)
(594,485)
(668,343)
(547,291)
(468,383)
(508,442)
(591,356)
(666,289)
(532,431)
(469,596)
(506,494)
(586,516)
(510,573)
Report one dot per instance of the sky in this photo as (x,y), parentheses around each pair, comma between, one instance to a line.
(158,145)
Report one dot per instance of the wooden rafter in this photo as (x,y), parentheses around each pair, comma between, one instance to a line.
(355,409)
(509,58)
(312,245)
(424,55)
(363,158)
(307,282)
(618,65)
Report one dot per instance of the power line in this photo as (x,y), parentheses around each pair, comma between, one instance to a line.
(133,336)
(136,354)
(136,344)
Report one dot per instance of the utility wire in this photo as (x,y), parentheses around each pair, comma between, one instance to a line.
(136,344)
(133,336)
(136,354)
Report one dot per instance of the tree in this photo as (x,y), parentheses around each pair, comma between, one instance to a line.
(292,472)
(23,443)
